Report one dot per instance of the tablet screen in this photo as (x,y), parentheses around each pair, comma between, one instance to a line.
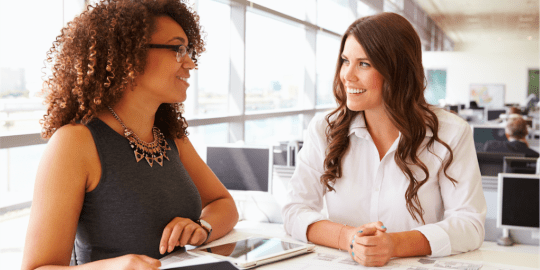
(252,249)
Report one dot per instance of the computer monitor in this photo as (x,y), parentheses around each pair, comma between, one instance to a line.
(483,134)
(454,108)
(493,114)
(286,152)
(492,163)
(241,168)
(524,165)
(517,204)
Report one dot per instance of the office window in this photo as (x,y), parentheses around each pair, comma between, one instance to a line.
(274,63)
(327,57)
(436,87)
(22,51)
(212,86)
(271,130)
(303,10)
(18,172)
(364,9)
(200,136)
(334,15)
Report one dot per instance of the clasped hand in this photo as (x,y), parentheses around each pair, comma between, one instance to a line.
(371,245)
(181,232)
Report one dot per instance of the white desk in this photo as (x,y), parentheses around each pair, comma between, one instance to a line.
(490,255)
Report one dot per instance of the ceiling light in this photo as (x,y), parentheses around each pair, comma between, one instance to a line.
(529,37)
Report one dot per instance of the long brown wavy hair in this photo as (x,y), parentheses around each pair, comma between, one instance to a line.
(101,52)
(394,50)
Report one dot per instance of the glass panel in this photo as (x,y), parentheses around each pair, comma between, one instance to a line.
(364,9)
(392,6)
(334,15)
(327,56)
(435,92)
(269,131)
(18,167)
(274,63)
(303,10)
(201,136)
(21,59)
(213,73)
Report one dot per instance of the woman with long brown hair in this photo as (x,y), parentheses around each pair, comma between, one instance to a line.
(399,177)
(120,185)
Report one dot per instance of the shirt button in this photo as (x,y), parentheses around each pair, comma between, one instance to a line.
(376,189)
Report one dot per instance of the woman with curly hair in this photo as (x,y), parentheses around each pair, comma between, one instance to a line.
(399,177)
(120,185)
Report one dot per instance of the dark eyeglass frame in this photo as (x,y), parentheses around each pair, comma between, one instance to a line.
(181,50)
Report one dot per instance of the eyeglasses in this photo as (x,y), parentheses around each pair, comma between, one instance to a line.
(181,50)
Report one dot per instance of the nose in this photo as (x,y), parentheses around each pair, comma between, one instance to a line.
(348,73)
(187,62)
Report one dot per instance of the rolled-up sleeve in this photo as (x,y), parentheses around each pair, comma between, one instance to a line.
(305,192)
(462,226)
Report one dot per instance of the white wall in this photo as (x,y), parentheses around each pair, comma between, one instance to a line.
(506,64)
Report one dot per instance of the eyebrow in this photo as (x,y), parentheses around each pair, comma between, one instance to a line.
(181,39)
(343,56)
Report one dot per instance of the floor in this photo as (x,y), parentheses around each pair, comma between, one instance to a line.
(12,234)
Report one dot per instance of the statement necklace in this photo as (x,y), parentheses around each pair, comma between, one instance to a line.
(154,151)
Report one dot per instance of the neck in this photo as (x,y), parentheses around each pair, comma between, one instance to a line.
(523,140)
(379,124)
(137,116)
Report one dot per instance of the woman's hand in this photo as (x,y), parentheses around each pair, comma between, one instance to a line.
(371,245)
(131,261)
(181,232)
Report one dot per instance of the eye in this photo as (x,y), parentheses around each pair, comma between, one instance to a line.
(365,64)
(345,61)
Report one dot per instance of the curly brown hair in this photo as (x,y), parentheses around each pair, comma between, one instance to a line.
(394,49)
(101,52)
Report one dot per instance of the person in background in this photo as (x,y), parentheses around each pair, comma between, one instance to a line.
(399,177)
(120,185)
(516,132)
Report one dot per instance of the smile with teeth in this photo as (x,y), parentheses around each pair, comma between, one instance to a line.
(355,91)
(183,79)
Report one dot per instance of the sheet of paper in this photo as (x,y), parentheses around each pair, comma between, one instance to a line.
(184,259)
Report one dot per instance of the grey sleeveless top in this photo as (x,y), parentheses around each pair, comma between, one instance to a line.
(133,202)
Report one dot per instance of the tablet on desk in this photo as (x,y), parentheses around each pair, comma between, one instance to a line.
(255,251)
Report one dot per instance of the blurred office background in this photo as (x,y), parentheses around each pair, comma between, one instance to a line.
(268,71)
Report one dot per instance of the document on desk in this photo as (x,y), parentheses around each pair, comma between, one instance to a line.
(340,260)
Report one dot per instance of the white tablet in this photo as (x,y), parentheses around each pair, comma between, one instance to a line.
(255,251)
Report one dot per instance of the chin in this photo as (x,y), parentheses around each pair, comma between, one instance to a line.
(355,107)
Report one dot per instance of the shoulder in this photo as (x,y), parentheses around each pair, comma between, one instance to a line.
(73,142)
(72,135)
(451,126)
(318,125)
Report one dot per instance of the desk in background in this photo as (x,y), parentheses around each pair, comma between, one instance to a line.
(490,255)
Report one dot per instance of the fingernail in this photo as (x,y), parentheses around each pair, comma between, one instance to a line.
(162,249)
(351,246)
(384,227)
(360,231)
(353,254)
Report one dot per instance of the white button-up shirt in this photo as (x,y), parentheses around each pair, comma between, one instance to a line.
(373,190)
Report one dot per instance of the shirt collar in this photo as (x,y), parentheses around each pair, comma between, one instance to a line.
(358,127)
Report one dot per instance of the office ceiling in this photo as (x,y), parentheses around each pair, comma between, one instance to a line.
(485,21)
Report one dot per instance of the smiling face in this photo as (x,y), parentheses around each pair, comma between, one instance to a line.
(164,78)
(362,82)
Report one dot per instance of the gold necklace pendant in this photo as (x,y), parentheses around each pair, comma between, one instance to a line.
(151,152)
